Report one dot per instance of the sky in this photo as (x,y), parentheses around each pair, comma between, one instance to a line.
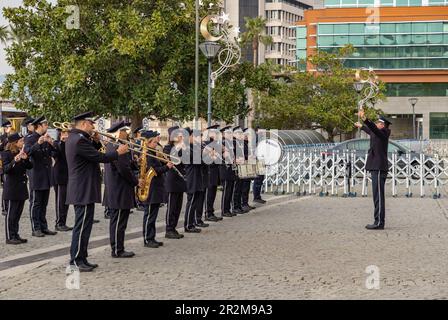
(4,68)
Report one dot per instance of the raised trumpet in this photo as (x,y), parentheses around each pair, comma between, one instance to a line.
(65,126)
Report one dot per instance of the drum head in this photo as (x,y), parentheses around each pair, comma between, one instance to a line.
(269,151)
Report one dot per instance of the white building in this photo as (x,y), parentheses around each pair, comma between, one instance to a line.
(281,15)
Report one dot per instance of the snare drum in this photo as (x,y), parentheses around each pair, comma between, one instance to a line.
(261,168)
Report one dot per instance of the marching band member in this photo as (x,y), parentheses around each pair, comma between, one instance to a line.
(194,176)
(7,127)
(226,172)
(245,183)
(28,123)
(59,177)
(198,140)
(212,178)
(239,159)
(39,146)
(84,183)
(119,193)
(258,181)
(156,191)
(15,190)
(175,185)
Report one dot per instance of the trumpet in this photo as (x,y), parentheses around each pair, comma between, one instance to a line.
(136,148)
(64,126)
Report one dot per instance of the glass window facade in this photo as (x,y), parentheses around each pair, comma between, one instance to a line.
(382,3)
(417,89)
(401,45)
(438,125)
(301,47)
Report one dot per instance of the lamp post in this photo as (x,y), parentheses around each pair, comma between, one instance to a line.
(413,102)
(358,86)
(210,49)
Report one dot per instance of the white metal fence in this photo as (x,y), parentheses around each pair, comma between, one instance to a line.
(315,171)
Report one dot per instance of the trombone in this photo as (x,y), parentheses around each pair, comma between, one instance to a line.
(132,146)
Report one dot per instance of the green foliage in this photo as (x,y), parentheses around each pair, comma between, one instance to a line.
(4,34)
(255,34)
(129,58)
(325,99)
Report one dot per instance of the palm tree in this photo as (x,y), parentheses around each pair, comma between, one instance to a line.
(255,34)
(4,34)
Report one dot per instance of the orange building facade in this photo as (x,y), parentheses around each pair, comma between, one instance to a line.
(407,46)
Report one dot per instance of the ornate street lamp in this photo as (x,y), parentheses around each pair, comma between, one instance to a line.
(413,102)
(210,50)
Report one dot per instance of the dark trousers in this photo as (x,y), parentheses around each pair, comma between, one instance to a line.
(210,197)
(193,201)
(15,209)
(200,207)
(173,210)
(258,184)
(149,221)
(378,183)
(245,190)
(60,191)
(227,194)
(117,228)
(236,199)
(4,206)
(81,233)
(39,210)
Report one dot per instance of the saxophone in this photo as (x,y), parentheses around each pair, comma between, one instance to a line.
(147,175)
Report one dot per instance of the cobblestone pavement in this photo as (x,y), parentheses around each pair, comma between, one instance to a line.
(291,248)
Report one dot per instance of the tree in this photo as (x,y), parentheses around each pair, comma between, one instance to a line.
(4,34)
(128,58)
(255,34)
(323,100)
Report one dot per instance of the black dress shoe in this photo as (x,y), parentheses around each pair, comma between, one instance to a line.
(227,215)
(13,241)
(173,235)
(252,207)
(237,211)
(193,230)
(22,240)
(179,234)
(374,227)
(38,234)
(212,219)
(49,232)
(82,267)
(151,244)
(260,201)
(123,254)
(92,265)
(158,242)
(202,225)
(96,221)
(245,209)
(63,228)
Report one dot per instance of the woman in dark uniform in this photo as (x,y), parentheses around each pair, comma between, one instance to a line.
(15,189)
(156,191)
(175,185)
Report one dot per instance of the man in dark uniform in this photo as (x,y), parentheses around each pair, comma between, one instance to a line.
(39,147)
(28,123)
(84,183)
(377,164)
(198,140)
(245,183)
(156,190)
(227,173)
(59,176)
(15,190)
(119,192)
(238,141)
(212,177)
(175,185)
(258,182)
(195,183)
(7,127)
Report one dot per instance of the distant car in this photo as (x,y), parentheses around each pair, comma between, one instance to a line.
(361,147)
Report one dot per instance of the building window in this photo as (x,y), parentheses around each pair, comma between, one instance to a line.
(438,125)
